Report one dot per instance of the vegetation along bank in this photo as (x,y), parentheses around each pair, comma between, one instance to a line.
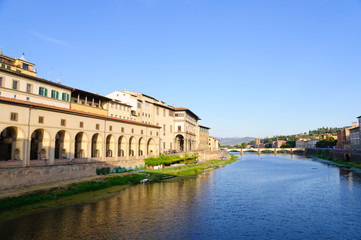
(107,177)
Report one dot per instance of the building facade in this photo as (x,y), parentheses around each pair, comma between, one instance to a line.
(278,144)
(203,133)
(355,138)
(186,129)
(47,123)
(214,144)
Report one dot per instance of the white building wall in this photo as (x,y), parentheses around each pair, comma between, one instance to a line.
(124,98)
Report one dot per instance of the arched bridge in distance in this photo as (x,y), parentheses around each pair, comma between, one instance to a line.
(260,150)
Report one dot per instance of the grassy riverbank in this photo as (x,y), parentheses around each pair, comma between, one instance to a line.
(107,181)
(192,169)
(338,161)
(75,188)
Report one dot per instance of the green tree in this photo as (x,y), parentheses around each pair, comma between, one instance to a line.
(329,142)
(244,145)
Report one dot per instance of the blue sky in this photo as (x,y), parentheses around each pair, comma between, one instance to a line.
(246,67)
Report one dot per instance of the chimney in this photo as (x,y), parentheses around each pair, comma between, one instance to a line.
(354,124)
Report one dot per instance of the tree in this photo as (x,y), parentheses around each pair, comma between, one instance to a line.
(329,142)
(244,145)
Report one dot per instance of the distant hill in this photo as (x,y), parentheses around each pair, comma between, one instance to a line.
(235,140)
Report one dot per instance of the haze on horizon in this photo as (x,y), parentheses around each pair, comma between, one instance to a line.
(247,68)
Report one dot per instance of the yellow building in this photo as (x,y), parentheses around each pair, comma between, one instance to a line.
(19,65)
(186,126)
(47,123)
(203,138)
(146,109)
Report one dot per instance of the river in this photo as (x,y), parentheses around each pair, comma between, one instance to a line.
(257,197)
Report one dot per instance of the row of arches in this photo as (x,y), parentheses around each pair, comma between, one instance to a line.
(63,146)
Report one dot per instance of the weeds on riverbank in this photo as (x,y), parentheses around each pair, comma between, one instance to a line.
(167,160)
(339,161)
(55,193)
(193,169)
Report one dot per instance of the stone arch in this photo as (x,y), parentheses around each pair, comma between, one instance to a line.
(132,146)
(62,145)
(110,146)
(122,146)
(11,144)
(39,144)
(347,156)
(141,147)
(179,139)
(96,146)
(81,145)
(151,147)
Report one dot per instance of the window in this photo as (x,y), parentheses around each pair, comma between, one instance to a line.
(13,116)
(164,127)
(65,97)
(8,67)
(164,145)
(157,110)
(41,119)
(81,124)
(54,94)
(150,132)
(15,84)
(179,128)
(43,91)
(141,131)
(122,129)
(170,128)
(110,128)
(132,130)
(1,81)
(97,126)
(139,105)
(170,114)
(63,122)
(25,66)
(28,88)
(163,112)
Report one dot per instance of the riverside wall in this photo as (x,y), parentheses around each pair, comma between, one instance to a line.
(342,154)
(16,177)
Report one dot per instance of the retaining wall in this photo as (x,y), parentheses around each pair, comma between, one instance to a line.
(15,177)
(26,176)
(343,154)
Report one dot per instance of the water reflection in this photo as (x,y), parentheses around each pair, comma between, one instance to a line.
(262,197)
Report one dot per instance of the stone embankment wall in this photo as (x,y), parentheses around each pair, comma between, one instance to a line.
(211,155)
(343,154)
(15,177)
(26,176)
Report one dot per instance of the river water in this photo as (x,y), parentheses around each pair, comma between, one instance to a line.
(257,197)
